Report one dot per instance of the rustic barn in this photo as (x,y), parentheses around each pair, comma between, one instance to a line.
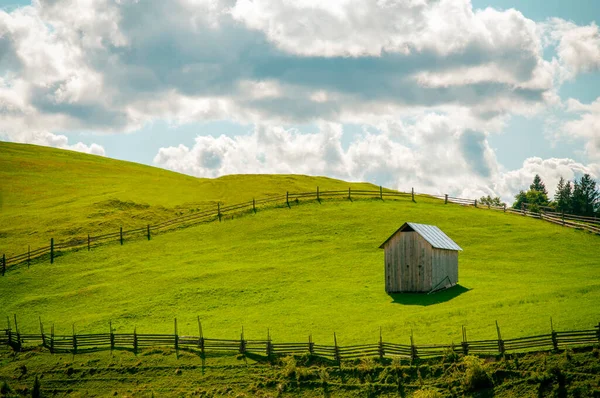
(420,258)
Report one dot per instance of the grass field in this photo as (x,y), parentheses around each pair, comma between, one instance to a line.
(314,268)
(46,192)
(160,373)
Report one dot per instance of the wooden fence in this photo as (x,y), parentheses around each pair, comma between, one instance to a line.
(590,224)
(79,343)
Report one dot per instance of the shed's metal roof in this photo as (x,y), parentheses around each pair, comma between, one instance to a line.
(430,233)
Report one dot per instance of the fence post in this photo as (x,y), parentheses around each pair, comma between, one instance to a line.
(51,250)
(413,348)
(563,218)
(112,337)
(135,342)
(554,339)
(89,242)
(9,331)
(446,199)
(148,229)
(337,356)
(28,255)
(464,344)
(254,205)
(176,338)
(500,341)
(475,202)
(121,235)
(505,207)
(489,206)
(74,341)
(200,337)
(3,264)
(219,210)
(17,333)
(523,208)
(318,197)
(269,348)
(42,332)
(412,193)
(381,352)
(380,192)
(311,345)
(598,332)
(287,198)
(52,339)
(242,343)
(349,194)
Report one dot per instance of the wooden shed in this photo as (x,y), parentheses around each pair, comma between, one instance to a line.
(420,258)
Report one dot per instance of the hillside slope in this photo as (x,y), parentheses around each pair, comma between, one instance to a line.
(47,192)
(312,268)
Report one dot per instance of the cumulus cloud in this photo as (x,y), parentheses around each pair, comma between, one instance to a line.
(46,138)
(430,79)
(114,66)
(550,170)
(578,47)
(430,154)
(586,126)
(460,163)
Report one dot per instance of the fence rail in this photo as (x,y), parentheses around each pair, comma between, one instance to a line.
(590,224)
(75,343)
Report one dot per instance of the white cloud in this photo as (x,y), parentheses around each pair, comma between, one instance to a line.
(578,47)
(586,127)
(46,138)
(430,155)
(401,67)
(114,66)
(550,170)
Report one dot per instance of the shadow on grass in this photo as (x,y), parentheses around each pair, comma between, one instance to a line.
(425,299)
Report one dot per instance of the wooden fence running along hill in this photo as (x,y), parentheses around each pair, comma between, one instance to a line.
(590,224)
(79,343)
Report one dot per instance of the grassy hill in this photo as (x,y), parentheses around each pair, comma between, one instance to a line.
(314,268)
(47,192)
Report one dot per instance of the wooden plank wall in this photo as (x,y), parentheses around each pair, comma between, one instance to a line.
(445,263)
(408,260)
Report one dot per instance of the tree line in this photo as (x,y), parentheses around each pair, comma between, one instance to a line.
(580,197)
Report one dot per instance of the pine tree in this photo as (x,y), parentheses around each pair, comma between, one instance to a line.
(590,195)
(536,197)
(538,185)
(585,199)
(520,198)
(562,197)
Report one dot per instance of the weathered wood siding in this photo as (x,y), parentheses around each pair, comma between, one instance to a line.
(408,260)
(413,265)
(445,263)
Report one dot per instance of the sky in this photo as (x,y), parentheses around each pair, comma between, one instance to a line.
(466,97)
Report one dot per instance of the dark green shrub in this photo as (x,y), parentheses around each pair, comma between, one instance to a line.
(5,388)
(476,376)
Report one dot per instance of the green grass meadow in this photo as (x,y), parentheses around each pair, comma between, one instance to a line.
(47,192)
(314,268)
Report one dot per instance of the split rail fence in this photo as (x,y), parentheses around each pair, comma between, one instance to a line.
(590,224)
(80,343)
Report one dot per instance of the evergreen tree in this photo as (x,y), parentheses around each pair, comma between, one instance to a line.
(562,197)
(536,197)
(585,199)
(538,185)
(520,198)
